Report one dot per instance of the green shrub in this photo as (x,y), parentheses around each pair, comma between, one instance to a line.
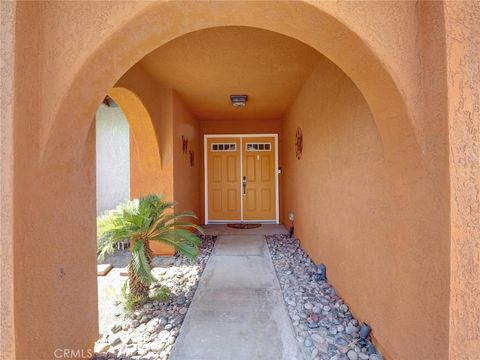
(143,220)
(161,294)
(130,301)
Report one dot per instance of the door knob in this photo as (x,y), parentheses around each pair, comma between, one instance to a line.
(244,185)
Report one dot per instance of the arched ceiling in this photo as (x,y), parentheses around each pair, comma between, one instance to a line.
(206,67)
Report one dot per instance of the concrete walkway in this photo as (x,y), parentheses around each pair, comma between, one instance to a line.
(238,311)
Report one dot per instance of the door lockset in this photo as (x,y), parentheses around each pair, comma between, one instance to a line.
(244,185)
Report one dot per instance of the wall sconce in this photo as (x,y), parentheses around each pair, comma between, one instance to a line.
(239,100)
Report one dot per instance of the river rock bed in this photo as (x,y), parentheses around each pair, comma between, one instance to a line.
(150,332)
(324,326)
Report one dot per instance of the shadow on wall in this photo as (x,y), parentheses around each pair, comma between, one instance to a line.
(112,156)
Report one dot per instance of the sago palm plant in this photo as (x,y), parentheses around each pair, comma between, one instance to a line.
(142,220)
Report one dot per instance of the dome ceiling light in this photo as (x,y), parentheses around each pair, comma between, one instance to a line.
(239,100)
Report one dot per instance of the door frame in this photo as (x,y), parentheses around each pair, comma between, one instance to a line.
(205,165)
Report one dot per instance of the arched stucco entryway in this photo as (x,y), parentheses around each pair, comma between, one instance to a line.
(146,163)
(66,171)
(147,173)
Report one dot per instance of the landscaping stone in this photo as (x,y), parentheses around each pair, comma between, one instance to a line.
(319,316)
(116,328)
(157,346)
(181,300)
(151,331)
(352,355)
(351,330)
(114,341)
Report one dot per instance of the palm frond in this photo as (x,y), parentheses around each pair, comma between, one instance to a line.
(149,218)
(184,241)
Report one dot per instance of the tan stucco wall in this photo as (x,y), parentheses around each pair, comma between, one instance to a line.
(44,266)
(186,178)
(7,84)
(69,54)
(158,119)
(149,110)
(342,180)
(151,122)
(463,57)
(242,126)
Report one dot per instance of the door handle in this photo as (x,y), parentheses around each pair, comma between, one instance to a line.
(244,185)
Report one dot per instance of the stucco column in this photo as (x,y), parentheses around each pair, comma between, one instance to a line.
(463,63)
(7,41)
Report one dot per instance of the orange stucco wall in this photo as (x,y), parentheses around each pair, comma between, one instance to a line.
(149,110)
(342,179)
(158,118)
(157,163)
(463,49)
(186,177)
(151,159)
(241,126)
(7,39)
(68,55)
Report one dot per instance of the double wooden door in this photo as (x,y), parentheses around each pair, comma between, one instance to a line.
(241,178)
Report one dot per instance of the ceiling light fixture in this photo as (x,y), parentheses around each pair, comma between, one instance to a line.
(239,100)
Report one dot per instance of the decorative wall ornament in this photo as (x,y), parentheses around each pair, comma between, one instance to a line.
(192,158)
(184,144)
(298,143)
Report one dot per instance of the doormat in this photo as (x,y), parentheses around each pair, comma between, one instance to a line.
(244,226)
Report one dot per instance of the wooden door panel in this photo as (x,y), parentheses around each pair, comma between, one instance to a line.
(232,175)
(251,200)
(266,201)
(223,179)
(217,200)
(232,200)
(266,168)
(250,168)
(259,201)
(217,169)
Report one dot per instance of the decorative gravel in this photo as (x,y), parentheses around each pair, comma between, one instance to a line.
(150,332)
(324,326)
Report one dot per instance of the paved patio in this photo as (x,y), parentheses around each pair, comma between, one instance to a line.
(238,311)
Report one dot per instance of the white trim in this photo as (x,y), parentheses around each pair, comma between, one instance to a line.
(241,179)
(205,164)
(277,190)
(205,176)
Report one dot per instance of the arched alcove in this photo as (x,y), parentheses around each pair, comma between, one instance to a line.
(146,163)
(72,187)
(147,173)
